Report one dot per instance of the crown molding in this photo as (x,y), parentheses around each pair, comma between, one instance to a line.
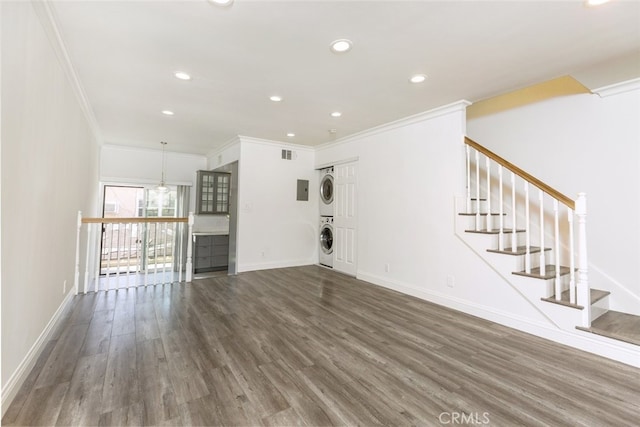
(46,15)
(273,143)
(617,88)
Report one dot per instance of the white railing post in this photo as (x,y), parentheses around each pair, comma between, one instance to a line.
(76,278)
(189,267)
(468,162)
(489,219)
(514,215)
(584,294)
(572,261)
(527,256)
(556,232)
(500,211)
(87,259)
(543,261)
(477,190)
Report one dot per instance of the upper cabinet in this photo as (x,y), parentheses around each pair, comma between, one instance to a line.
(213,193)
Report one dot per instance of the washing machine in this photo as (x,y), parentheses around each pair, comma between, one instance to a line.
(326,192)
(326,241)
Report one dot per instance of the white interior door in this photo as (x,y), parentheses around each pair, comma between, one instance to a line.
(345,218)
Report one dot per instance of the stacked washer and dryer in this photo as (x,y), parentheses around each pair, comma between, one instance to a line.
(326,217)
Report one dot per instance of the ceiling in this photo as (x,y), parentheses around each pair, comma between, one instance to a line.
(125,54)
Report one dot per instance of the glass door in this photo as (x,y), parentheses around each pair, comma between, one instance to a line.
(131,247)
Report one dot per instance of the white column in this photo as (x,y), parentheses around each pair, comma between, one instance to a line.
(584,297)
(189,267)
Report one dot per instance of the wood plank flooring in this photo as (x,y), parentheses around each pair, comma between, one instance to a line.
(307,346)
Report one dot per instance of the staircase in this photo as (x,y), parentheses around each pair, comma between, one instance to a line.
(535,238)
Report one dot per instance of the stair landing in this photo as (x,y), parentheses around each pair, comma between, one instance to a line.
(616,325)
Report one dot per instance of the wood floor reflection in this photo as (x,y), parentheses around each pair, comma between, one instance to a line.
(307,346)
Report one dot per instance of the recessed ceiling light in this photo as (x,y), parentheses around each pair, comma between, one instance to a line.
(332,131)
(596,2)
(167,112)
(341,45)
(221,2)
(275,98)
(336,114)
(291,134)
(418,78)
(182,75)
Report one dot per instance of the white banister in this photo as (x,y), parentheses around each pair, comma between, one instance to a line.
(500,211)
(543,261)
(189,272)
(468,165)
(527,257)
(556,233)
(76,278)
(583,292)
(489,219)
(572,261)
(477,191)
(514,215)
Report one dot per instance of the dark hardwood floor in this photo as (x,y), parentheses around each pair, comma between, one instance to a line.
(307,346)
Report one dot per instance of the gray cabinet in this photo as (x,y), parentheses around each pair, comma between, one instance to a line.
(211,253)
(212,193)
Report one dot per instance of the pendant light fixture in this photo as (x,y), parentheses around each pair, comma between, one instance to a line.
(162,187)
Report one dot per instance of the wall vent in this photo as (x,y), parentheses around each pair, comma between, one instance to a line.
(286,155)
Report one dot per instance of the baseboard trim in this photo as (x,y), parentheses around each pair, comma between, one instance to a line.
(19,376)
(619,351)
(275,264)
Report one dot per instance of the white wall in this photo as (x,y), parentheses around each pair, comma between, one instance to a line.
(584,143)
(49,172)
(274,229)
(409,173)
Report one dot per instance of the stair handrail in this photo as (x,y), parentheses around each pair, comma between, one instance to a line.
(568,201)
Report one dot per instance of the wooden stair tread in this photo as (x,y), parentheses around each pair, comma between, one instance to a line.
(550,272)
(595,296)
(614,324)
(520,250)
(496,231)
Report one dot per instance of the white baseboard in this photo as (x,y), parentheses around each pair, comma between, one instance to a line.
(19,376)
(601,346)
(276,264)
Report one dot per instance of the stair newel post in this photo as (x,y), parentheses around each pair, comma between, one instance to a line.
(584,297)
(76,278)
(527,257)
(514,214)
(489,219)
(468,162)
(500,212)
(556,232)
(189,264)
(477,190)
(543,261)
(90,229)
(572,261)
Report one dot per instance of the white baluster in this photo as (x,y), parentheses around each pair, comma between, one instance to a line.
(146,259)
(527,257)
(180,249)
(87,258)
(189,272)
(76,277)
(174,238)
(128,232)
(572,263)
(500,212)
(108,282)
(164,228)
(468,162)
(477,190)
(543,262)
(514,214)
(584,294)
(489,219)
(118,258)
(556,229)
(155,253)
(98,240)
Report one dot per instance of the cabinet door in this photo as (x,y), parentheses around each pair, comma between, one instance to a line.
(213,193)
